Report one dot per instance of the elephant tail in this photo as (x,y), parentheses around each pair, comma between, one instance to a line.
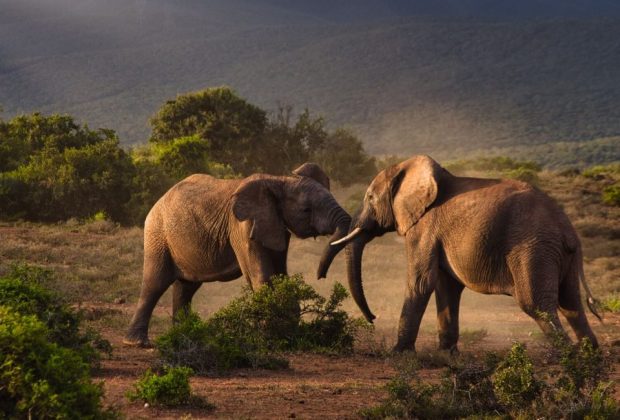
(591,301)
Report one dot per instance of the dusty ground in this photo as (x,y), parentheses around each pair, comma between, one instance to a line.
(98,264)
(318,386)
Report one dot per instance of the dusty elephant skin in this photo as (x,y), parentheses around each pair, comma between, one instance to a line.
(206,229)
(492,236)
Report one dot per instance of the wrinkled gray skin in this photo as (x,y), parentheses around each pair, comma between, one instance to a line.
(492,236)
(206,229)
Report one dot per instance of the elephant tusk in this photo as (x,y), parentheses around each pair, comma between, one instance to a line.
(349,237)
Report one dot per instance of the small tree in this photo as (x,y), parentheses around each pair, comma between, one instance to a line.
(226,122)
(55,169)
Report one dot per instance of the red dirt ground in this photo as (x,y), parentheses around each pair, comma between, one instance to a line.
(315,386)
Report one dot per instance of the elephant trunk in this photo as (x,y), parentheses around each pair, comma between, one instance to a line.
(354,251)
(340,222)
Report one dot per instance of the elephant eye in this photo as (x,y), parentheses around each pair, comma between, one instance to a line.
(307,210)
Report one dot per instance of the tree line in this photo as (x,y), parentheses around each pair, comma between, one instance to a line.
(53,169)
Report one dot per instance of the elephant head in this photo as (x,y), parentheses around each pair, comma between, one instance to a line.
(301,204)
(395,200)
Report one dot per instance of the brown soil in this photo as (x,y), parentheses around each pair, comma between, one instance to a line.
(315,386)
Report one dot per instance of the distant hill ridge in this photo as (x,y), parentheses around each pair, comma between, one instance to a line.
(407,76)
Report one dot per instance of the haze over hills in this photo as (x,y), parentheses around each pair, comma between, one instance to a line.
(407,76)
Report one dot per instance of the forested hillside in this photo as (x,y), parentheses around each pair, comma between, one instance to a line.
(408,77)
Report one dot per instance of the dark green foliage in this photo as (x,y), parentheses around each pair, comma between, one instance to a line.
(52,169)
(45,360)
(148,185)
(340,153)
(218,116)
(24,291)
(611,195)
(169,389)
(506,388)
(343,157)
(255,328)
(514,382)
(40,378)
(215,125)
(188,155)
(609,177)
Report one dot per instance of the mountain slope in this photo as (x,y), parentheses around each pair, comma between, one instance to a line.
(407,84)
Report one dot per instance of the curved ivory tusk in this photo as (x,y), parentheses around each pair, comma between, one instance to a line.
(347,238)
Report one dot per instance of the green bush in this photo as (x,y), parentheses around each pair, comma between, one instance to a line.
(523,174)
(603,171)
(41,379)
(255,328)
(508,388)
(514,381)
(23,290)
(170,389)
(611,304)
(611,195)
(56,169)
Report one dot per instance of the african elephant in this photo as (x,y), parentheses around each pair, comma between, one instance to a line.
(490,235)
(206,229)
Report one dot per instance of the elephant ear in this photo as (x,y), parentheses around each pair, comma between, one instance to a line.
(314,171)
(256,200)
(413,189)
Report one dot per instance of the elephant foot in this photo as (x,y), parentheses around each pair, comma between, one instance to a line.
(453,349)
(142,342)
(401,348)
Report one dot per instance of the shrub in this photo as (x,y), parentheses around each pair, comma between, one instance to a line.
(170,389)
(56,169)
(514,381)
(611,304)
(253,329)
(229,124)
(602,171)
(40,378)
(408,396)
(507,388)
(23,290)
(523,174)
(611,195)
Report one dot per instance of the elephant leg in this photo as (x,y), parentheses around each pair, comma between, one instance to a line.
(448,298)
(256,264)
(182,293)
(536,292)
(278,261)
(422,278)
(572,308)
(278,258)
(158,276)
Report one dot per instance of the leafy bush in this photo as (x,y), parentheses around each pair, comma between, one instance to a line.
(170,389)
(508,387)
(56,169)
(253,329)
(611,195)
(41,379)
(45,360)
(229,124)
(602,171)
(611,304)
(514,382)
(23,290)
(523,174)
